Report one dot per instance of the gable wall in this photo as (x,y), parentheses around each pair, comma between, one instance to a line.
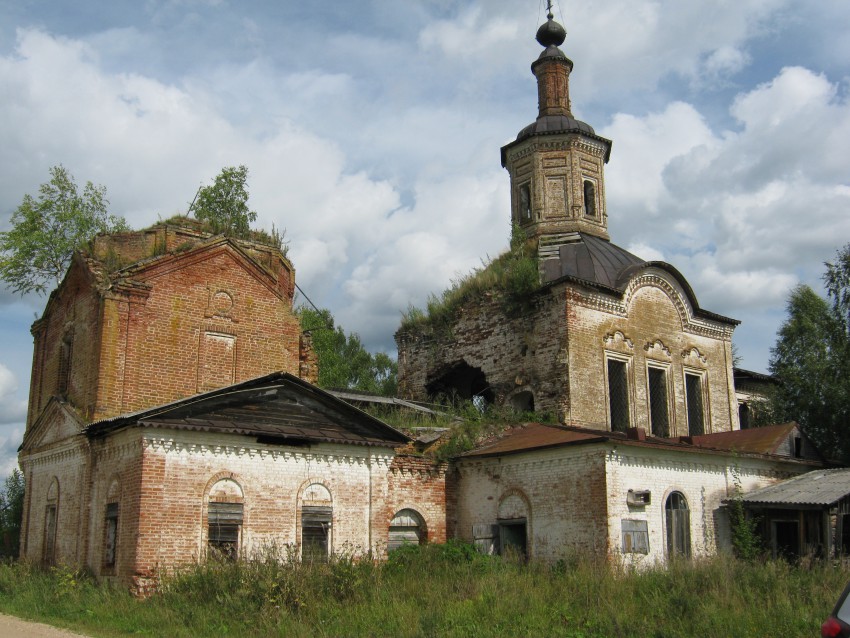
(648,329)
(73,313)
(206,323)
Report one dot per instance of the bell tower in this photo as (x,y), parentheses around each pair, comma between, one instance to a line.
(556,164)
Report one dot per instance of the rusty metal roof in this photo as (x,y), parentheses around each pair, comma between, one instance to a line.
(817,488)
(535,436)
(277,408)
(764,440)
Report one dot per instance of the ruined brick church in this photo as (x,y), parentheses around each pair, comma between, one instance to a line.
(173,406)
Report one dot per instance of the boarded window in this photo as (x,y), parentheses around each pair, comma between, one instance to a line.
(635,537)
(659,407)
(315,533)
(111,534)
(485,537)
(693,389)
(225,526)
(406,528)
(589,199)
(678,526)
(618,395)
(50,535)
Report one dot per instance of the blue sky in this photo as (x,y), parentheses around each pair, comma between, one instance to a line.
(372,134)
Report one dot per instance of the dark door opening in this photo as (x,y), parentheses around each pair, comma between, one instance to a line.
(786,539)
(512,537)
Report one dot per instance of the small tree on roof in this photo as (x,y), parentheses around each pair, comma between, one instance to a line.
(224,204)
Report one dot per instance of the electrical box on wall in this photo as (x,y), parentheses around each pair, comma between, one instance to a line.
(639,498)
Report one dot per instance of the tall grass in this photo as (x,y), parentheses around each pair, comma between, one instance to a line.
(439,590)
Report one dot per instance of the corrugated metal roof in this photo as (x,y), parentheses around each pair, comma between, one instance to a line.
(819,487)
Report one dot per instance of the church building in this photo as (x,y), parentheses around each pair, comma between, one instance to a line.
(173,410)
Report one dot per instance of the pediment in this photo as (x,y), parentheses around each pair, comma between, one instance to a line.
(278,409)
(177,261)
(57,422)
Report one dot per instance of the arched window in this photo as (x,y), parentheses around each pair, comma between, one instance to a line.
(224,518)
(589,199)
(525,203)
(678,526)
(66,349)
(51,518)
(316,523)
(406,528)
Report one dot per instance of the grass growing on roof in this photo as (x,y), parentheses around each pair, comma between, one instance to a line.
(511,277)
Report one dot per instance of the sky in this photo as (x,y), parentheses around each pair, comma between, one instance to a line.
(372,129)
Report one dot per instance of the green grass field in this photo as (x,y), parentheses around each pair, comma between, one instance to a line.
(438,590)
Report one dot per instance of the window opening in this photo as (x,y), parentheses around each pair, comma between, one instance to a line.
(744,415)
(111,532)
(406,528)
(315,533)
(523,401)
(678,526)
(512,537)
(798,447)
(525,202)
(693,390)
(225,525)
(65,351)
(50,535)
(786,539)
(618,395)
(659,406)
(589,199)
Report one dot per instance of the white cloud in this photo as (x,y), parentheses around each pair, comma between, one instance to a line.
(12,409)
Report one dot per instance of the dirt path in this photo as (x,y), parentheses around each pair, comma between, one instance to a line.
(12,627)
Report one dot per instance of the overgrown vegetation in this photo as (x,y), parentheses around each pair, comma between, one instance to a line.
(511,277)
(811,358)
(11,514)
(344,362)
(746,540)
(439,590)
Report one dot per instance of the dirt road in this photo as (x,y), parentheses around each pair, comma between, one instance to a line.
(11,627)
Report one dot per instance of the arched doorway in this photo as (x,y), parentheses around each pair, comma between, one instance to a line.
(678,526)
(406,528)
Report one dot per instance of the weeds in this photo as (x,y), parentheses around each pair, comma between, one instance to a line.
(438,590)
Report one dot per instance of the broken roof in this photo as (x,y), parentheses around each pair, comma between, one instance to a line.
(817,488)
(276,408)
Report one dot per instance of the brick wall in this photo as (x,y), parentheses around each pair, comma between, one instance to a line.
(565,493)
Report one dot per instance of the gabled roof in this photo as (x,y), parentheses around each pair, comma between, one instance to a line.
(537,436)
(817,488)
(276,408)
(763,440)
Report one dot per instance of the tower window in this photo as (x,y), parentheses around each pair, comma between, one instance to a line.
(525,202)
(589,199)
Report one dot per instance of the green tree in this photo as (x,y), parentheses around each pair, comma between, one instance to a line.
(344,363)
(224,204)
(11,514)
(46,231)
(811,358)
